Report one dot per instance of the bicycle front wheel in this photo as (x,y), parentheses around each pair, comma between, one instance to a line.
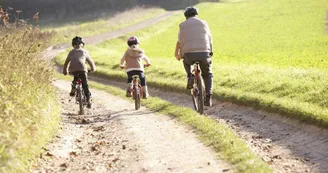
(136,96)
(80,100)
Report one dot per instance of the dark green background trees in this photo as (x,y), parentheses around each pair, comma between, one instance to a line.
(63,9)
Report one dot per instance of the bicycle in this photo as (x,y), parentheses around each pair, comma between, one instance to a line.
(136,91)
(197,91)
(80,96)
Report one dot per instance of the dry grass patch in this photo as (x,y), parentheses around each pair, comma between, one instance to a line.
(28,108)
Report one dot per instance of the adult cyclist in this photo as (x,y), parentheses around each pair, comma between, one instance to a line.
(195,44)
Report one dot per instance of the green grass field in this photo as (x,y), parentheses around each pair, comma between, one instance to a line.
(98,26)
(268,54)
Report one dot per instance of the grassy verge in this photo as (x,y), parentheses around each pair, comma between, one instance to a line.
(29,110)
(99,26)
(265,58)
(218,136)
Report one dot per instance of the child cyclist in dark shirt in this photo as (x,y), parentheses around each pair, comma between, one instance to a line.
(75,64)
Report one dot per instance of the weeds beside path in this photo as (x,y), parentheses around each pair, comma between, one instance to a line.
(28,108)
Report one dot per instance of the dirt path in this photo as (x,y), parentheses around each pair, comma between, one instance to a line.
(113,137)
(287,145)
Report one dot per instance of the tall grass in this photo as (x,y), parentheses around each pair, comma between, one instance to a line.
(28,108)
(267,54)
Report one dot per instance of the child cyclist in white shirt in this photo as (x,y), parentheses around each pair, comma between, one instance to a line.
(132,58)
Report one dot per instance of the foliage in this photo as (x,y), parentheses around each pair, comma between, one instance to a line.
(28,108)
(62,10)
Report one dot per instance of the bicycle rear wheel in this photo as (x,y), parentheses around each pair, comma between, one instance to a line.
(80,100)
(136,98)
(200,95)
(194,97)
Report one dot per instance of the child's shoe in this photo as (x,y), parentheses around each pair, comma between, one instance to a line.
(145,93)
(128,91)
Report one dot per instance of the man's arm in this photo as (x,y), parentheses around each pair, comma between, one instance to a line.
(178,46)
(177,51)
(208,31)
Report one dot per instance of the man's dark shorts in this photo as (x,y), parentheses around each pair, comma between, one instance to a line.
(205,62)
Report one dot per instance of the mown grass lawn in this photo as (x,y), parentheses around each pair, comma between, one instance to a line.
(267,54)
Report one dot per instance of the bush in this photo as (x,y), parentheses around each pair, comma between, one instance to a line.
(28,107)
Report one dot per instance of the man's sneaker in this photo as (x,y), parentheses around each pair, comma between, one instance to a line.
(89,103)
(72,93)
(208,100)
(190,82)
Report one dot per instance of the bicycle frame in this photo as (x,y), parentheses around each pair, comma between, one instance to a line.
(196,72)
(135,85)
(136,91)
